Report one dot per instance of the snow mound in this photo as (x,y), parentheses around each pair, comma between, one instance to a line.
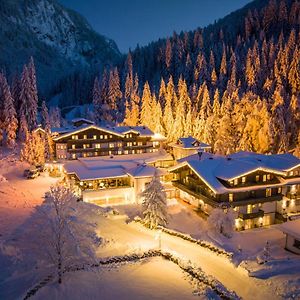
(2,178)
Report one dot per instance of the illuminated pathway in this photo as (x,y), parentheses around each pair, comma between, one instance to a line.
(126,238)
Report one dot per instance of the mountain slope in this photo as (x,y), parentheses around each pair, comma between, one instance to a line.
(60,40)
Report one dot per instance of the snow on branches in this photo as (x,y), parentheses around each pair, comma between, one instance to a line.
(154,204)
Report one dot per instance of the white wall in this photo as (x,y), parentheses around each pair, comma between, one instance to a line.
(290,244)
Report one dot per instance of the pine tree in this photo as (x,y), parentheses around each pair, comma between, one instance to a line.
(154,204)
(10,117)
(23,129)
(114,93)
(147,107)
(97,101)
(45,117)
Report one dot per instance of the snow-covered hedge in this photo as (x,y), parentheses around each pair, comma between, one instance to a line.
(194,272)
(187,237)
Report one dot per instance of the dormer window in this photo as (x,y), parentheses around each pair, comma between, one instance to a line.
(244,179)
(236,181)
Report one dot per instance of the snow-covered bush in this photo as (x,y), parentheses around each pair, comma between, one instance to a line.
(222,221)
(57,236)
(154,204)
(265,255)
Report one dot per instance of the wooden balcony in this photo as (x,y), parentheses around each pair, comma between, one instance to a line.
(254,215)
(195,194)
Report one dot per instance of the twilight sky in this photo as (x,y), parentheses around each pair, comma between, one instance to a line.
(132,22)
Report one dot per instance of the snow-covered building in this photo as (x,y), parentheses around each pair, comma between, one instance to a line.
(187,146)
(115,180)
(260,188)
(89,140)
(292,231)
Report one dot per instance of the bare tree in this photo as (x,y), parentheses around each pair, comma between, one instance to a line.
(57,236)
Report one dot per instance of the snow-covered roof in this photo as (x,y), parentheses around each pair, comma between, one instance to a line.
(82,120)
(190,143)
(291,228)
(140,130)
(211,168)
(113,166)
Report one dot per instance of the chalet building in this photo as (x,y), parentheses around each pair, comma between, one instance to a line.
(89,140)
(261,188)
(187,146)
(116,180)
(292,231)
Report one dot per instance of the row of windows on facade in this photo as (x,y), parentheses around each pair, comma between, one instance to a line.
(119,152)
(109,145)
(268,193)
(101,136)
(258,178)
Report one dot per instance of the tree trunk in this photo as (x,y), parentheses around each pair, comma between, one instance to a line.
(59,270)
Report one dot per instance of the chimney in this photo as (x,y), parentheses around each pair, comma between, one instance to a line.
(200,154)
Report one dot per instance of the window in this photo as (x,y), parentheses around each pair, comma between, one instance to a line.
(291,173)
(140,143)
(73,146)
(243,179)
(101,137)
(249,209)
(105,136)
(111,145)
(126,152)
(120,152)
(230,197)
(134,143)
(74,137)
(257,178)
(84,136)
(97,146)
(110,136)
(119,144)
(94,137)
(73,156)
(133,151)
(279,190)
(84,154)
(264,178)
(236,181)
(268,176)
(236,208)
(296,244)
(129,144)
(268,192)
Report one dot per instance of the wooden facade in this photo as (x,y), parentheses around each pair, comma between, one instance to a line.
(91,142)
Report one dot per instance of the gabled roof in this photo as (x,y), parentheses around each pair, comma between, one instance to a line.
(82,120)
(291,228)
(142,171)
(85,127)
(190,143)
(211,168)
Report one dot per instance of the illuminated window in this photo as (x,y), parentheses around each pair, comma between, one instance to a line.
(111,145)
(74,137)
(84,146)
(264,178)
(259,204)
(73,146)
(291,173)
(120,152)
(126,152)
(129,144)
(110,136)
(268,176)
(243,179)
(133,151)
(230,197)
(236,208)
(140,143)
(94,137)
(236,181)
(105,136)
(119,144)
(249,209)
(84,136)
(257,178)
(279,190)
(97,146)
(84,154)
(101,137)
(134,143)
(268,192)
(74,156)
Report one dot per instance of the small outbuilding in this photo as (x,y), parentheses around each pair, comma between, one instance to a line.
(292,231)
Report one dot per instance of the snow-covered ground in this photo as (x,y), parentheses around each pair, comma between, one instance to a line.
(279,278)
(150,279)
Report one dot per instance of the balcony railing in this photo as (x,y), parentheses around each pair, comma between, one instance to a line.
(197,195)
(252,215)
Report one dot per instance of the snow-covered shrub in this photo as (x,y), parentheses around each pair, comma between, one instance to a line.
(222,221)
(154,204)
(265,255)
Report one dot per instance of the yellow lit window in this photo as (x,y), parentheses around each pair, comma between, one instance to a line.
(230,197)
(249,209)
(84,136)
(94,137)
(73,146)
(111,145)
(257,178)
(264,178)
(268,176)
(268,192)
(101,137)
(243,179)
(105,137)
(236,181)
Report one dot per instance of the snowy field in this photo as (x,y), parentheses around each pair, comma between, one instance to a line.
(150,279)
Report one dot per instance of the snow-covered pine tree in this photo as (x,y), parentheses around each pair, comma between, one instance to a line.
(97,101)
(55,117)
(45,117)
(154,204)
(23,129)
(60,226)
(146,110)
(10,116)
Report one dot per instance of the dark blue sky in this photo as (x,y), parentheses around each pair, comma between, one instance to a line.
(130,22)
